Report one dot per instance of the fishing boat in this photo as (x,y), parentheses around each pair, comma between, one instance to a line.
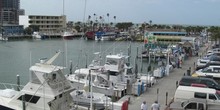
(83,98)
(110,79)
(90,35)
(47,89)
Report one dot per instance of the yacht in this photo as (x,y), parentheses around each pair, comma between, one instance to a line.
(47,89)
(111,79)
(70,34)
(36,35)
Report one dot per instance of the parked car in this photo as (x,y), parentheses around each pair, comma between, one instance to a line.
(194,104)
(187,92)
(207,64)
(209,58)
(189,81)
(211,71)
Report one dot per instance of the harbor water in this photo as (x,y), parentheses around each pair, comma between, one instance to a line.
(17,56)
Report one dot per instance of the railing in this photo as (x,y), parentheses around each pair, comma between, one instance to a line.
(11,86)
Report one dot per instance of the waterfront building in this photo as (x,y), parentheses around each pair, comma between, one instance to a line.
(9,11)
(45,23)
(9,17)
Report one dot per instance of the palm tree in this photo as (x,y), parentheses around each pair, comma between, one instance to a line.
(100,17)
(108,17)
(115,19)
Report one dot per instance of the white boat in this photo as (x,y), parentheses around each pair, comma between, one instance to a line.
(83,98)
(3,38)
(47,89)
(110,79)
(36,35)
(69,34)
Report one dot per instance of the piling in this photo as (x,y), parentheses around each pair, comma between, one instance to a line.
(166,97)
(18,83)
(23,102)
(177,84)
(157,93)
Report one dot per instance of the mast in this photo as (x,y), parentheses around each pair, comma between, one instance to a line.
(63,6)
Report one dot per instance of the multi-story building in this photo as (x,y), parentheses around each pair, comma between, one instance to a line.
(9,17)
(43,23)
(9,11)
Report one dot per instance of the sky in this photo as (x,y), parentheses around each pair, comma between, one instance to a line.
(184,12)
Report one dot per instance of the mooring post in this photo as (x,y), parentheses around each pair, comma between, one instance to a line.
(18,83)
(23,102)
(166,97)
(157,93)
(177,84)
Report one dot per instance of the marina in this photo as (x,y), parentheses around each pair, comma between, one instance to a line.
(78,53)
(86,55)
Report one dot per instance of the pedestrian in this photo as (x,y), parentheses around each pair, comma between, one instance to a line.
(144,106)
(155,106)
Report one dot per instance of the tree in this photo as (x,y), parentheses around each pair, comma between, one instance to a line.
(124,25)
(215,33)
(35,28)
(28,30)
(108,17)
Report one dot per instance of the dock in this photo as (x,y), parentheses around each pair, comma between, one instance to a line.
(165,88)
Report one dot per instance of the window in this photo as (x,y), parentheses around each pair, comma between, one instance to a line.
(212,96)
(200,95)
(5,108)
(53,76)
(30,98)
(208,83)
(201,106)
(191,106)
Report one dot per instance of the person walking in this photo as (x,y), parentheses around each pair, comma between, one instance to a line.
(144,106)
(155,106)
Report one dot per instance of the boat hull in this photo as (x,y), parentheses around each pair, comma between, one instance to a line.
(107,91)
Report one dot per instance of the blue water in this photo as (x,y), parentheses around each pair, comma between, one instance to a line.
(17,56)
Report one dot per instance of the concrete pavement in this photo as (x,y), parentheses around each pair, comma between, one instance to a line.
(165,86)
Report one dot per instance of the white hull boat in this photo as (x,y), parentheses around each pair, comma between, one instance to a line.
(83,98)
(47,89)
(111,79)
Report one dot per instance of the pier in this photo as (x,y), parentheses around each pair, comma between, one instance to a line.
(49,36)
(164,89)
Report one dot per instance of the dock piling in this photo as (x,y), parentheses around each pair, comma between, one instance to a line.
(166,97)
(18,83)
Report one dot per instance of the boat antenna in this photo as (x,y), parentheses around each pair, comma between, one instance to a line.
(50,61)
(63,6)
(84,15)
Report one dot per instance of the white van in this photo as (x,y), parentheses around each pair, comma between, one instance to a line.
(187,92)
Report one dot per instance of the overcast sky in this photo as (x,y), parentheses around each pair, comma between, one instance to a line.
(190,12)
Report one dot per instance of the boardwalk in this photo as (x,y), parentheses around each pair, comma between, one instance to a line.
(165,85)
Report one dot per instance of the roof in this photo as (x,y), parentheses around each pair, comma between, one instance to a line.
(161,32)
(196,89)
(45,68)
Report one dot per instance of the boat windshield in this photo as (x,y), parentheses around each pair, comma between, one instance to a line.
(129,71)
(80,76)
(111,61)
